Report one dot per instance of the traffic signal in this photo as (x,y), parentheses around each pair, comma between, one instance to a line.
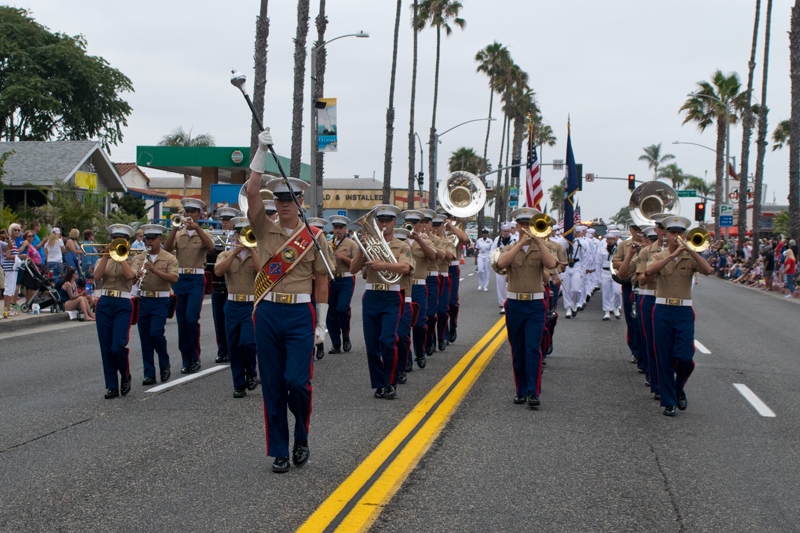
(700,212)
(631,181)
(579,170)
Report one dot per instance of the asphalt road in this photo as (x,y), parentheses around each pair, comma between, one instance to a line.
(596,456)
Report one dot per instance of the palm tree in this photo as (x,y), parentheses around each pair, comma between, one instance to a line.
(260,84)
(321,59)
(700,185)
(492,61)
(466,159)
(673,173)
(178,137)
(438,14)
(299,84)
(523,105)
(387,158)
(412,147)
(543,135)
(781,135)
(622,216)
(557,198)
(704,109)
(761,139)
(794,127)
(652,154)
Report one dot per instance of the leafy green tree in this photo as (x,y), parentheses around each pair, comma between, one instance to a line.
(622,216)
(557,198)
(673,173)
(50,88)
(700,185)
(72,207)
(130,205)
(3,157)
(492,61)
(178,137)
(652,155)
(466,159)
(781,135)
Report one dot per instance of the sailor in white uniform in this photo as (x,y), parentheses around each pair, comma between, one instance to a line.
(612,291)
(483,251)
(572,279)
(503,240)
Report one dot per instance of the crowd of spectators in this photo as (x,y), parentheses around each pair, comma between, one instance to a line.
(768,262)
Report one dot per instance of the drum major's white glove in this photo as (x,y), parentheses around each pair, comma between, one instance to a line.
(260,159)
(319,331)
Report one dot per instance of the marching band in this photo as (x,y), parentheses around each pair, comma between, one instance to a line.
(277,286)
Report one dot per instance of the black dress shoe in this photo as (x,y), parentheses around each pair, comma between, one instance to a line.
(683,403)
(335,349)
(453,335)
(241,392)
(533,400)
(379,392)
(402,379)
(149,380)
(111,393)
(409,367)
(125,386)
(224,358)
(669,410)
(641,370)
(300,454)
(429,351)
(280,465)
(549,349)
(442,346)
(421,362)
(320,350)
(647,383)
(346,345)
(165,374)
(186,370)
(252,383)
(520,399)
(633,359)
(544,362)
(390,392)
(656,396)
(195,367)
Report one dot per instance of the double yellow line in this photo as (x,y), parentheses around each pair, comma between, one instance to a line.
(357,502)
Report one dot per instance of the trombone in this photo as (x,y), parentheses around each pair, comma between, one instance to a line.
(540,225)
(697,240)
(119,249)
(246,238)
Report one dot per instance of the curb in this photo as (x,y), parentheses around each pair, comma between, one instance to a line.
(31,321)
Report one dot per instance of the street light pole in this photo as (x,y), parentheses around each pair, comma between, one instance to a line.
(316,193)
(420,176)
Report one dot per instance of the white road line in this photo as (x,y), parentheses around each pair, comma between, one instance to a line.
(190,377)
(460,279)
(699,346)
(472,274)
(754,400)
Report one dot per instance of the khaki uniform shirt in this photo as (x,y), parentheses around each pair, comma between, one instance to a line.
(165,262)
(675,279)
(114,278)
(640,264)
(241,276)
(189,250)
(557,251)
(524,274)
(402,253)
(271,237)
(422,264)
(622,251)
(443,243)
(349,249)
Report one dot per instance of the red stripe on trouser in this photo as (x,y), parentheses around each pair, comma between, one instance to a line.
(513,372)
(399,314)
(311,367)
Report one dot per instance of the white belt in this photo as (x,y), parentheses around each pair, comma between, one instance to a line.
(444,274)
(525,296)
(382,287)
(455,263)
(342,275)
(191,271)
(647,292)
(242,297)
(280,298)
(115,294)
(433,273)
(419,282)
(674,301)
(408,299)
(153,294)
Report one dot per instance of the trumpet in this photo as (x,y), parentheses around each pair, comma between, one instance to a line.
(697,240)
(177,221)
(118,249)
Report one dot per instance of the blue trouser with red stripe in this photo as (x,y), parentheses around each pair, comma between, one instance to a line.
(419,295)
(627,305)
(190,290)
(524,323)
(152,322)
(241,341)
(403,340)
(673,331)
(381,318)
(340,295)
(443,309)
(646,304)
(434,285)
(218,302)
(285,346)
(114,317)
(641,348)
(455,283)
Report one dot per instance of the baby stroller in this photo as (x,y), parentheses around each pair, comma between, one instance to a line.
(46,294)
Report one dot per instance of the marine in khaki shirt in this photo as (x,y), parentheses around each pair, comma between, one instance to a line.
(239,267)
(160,274)
(423,250)
(557,251)
(343,251)
(640,265)
(115,275)
(622,251)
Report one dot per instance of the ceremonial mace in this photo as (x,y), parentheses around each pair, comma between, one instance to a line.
(239,81)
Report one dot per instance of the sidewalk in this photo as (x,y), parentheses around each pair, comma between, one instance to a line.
(777,292)
(26,321)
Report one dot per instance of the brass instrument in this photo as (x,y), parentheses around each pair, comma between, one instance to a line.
(540,225)
(375,246)
(409,226)
(651,198)
(266,194)
(697,240)
(178,221)
(119,249)
(462,194)
(494,257)
(247,238)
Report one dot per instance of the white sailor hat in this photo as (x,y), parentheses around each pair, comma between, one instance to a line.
(228,212)
(414,216)
(613,234)
(591,231)
(524,213)
(438,220)
(676,223)
(658,217)
(281,190)
(611,227)
(386,211)
(650,232)
(120,229)
(153,229)
(269,207)
(193,203)
(317,222)
(513,223)
(505,225)
(339,220)
(580,228)
(401,233)
(240,222)
(428,214)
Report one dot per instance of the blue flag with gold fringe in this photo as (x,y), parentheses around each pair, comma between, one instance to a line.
(570,190)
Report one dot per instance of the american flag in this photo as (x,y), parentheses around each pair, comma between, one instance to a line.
(577,218)
(533,176)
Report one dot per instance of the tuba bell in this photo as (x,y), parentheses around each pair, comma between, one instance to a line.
(462,194)
(375,246)
(651,198)
(266,194)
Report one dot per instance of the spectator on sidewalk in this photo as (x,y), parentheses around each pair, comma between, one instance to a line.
(10,268)
(768,255)
(72,257)
(88,261)
(72,298)
(24,279)
(789,270)
(138,242)
(54,254)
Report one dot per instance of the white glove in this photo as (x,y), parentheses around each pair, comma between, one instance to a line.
(319,332)
(260,158)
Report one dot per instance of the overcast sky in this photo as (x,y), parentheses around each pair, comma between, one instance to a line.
(621,69)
